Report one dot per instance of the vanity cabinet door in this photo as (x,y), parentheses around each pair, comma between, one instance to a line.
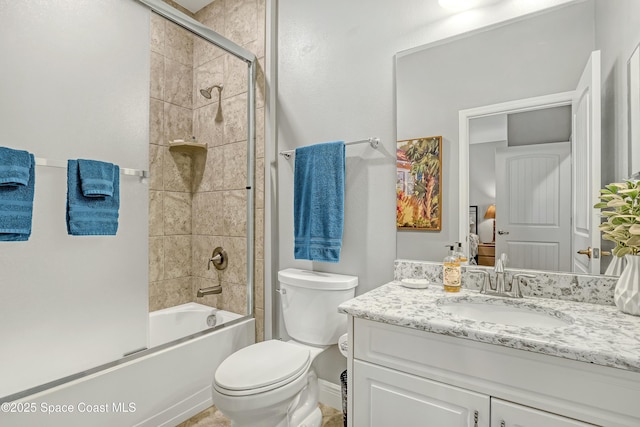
(507,414)
(384,397)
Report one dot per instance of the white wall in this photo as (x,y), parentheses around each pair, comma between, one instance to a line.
(335,80)
(617,35)
(75,84)
(538,56)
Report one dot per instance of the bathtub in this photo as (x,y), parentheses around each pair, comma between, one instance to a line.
(183,320)
(159,387)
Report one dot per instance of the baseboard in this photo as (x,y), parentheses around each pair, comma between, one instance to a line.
(330,394)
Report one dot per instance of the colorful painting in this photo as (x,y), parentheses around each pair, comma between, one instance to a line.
(418,184)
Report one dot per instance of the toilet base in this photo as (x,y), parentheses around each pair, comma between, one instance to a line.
(314,419)
(300,411)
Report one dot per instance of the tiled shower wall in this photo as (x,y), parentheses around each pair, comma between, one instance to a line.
(198,200)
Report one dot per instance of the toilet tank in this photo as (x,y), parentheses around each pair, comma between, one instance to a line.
(309,301)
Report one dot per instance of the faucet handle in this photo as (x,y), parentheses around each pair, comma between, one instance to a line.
(486,283)
(515,283)
(504,258)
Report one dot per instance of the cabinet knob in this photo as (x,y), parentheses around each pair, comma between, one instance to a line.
(502,423)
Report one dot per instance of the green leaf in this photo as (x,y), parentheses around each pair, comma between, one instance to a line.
(635,229)
(617,220)
(612,188)
(623,251)
(615,203)
(600,205)
(633,241)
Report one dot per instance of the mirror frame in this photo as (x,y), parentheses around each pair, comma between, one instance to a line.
(464,117)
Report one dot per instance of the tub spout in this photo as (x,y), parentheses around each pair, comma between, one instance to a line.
(209,291)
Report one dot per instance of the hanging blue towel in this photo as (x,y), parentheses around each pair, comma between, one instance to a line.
(318,201)
(15,166)
(16,200)
(87,216)
(96,178)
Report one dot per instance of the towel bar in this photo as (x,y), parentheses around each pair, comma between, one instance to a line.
(63,164)
(373,141)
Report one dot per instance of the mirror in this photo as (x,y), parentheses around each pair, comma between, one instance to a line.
(540,55)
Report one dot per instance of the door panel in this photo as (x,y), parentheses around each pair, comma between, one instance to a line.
(586,168)
(384,397)
(532,205)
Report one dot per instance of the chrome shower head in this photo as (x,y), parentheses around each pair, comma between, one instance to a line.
(207,92)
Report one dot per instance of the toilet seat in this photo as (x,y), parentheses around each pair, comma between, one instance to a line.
(261,367)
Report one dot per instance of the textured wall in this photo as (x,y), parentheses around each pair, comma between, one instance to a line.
(170,182)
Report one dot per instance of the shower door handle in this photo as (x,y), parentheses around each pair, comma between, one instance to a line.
(503,233)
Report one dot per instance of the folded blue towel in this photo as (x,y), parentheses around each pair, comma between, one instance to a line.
(96,178)
(91,216)
(318,201)
(16,206)
(15,166)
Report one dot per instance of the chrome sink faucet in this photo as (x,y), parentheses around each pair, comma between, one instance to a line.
(499,270)
(502,282)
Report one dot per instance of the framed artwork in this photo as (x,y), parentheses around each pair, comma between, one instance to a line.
(419,184)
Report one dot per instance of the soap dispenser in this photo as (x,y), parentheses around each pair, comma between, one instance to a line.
(460,254)
(451,274)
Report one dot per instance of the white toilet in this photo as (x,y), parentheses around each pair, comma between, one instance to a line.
(271,383)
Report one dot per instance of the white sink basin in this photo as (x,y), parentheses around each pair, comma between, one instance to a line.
(505,312)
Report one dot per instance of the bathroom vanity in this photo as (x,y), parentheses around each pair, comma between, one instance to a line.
(424,357)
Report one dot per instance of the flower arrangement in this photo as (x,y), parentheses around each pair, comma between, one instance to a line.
(620,204)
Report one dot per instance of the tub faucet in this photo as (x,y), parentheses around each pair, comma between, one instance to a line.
(209,291)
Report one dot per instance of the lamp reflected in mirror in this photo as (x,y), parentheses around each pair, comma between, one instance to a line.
(491,214)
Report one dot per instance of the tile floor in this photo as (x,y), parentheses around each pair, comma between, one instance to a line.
(213,418)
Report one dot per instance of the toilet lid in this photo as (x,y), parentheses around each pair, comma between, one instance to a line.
(265,366)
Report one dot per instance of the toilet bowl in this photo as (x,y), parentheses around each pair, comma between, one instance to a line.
(272,383)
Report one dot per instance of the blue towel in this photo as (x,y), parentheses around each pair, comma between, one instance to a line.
(96,178)
(15,167)
(91,216)
(318,201)
(16,201)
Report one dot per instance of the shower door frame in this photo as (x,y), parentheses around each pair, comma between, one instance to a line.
(250,59)
(197,28)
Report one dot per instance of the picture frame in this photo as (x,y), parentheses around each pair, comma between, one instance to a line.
(419,184)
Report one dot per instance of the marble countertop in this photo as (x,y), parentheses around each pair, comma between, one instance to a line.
(598,334)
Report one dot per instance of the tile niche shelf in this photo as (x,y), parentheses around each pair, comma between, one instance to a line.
(190,146)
